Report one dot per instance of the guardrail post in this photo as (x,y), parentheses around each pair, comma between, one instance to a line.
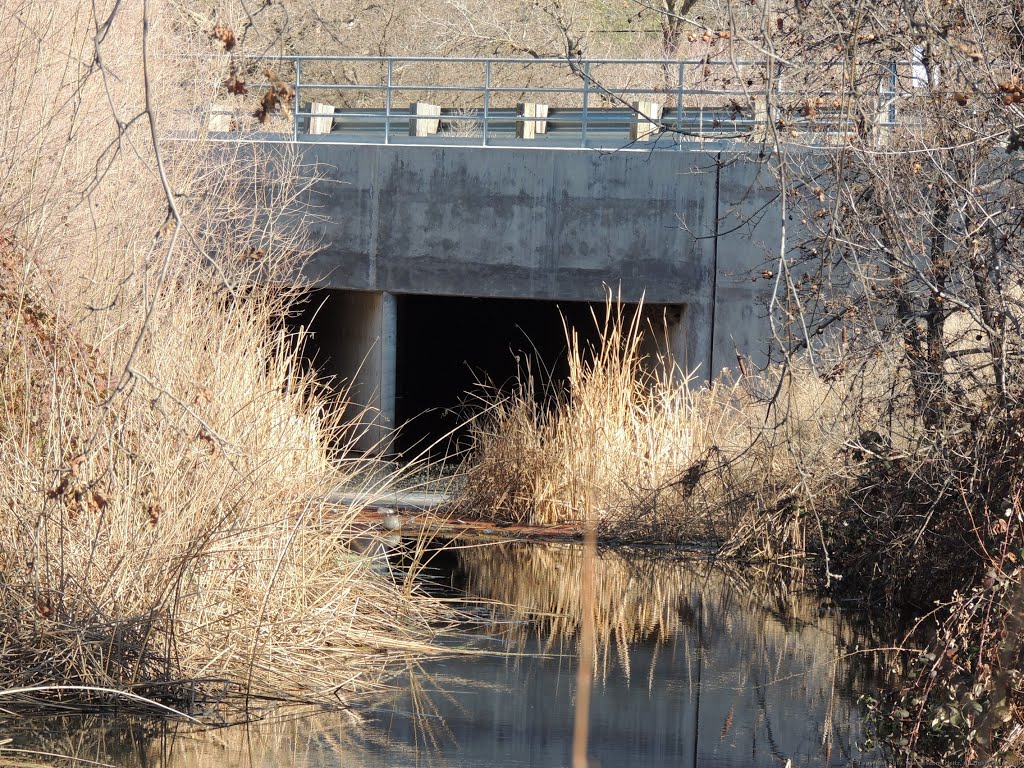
(295,100)
(892,94)
(387,102)
(532,119)
(885,119)
(679,107)
(424,118)
(586,100)
(487,98)
(324,120)
(646,120)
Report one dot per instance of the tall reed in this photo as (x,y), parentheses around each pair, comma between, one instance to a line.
(163,458)
(660,457)
(733,460)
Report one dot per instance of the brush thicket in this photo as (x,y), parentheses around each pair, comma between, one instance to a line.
(163,458)
(660,457)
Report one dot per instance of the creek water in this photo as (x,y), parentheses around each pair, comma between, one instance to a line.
(697,664)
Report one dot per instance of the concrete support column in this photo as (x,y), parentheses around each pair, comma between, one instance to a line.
(358,332)
(388,363)
(691,340)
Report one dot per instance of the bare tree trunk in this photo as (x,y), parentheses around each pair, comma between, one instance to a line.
(934,402)
(673,22)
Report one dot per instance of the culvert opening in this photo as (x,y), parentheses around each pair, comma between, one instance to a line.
(421,360)
(447,346)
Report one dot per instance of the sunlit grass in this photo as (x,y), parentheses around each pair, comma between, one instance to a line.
(164,458)
(658,456)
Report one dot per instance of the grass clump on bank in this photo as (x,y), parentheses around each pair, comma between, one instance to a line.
(656,457)
(163,459)
(621,436)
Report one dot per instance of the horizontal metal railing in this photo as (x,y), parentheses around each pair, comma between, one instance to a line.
(590,102)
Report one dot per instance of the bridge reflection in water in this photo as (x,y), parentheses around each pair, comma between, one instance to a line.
(697,664)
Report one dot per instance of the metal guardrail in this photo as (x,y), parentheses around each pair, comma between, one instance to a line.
(587,103)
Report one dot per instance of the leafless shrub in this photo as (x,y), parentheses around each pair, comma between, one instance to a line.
(899,195)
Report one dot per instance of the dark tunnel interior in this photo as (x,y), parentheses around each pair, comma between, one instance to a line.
(448,347)
(449,352)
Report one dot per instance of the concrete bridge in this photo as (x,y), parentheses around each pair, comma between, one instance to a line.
(438,251)
(680,231)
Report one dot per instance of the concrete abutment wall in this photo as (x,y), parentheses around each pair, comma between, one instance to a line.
(355,341)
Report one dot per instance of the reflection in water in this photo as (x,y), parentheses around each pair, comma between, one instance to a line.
(697,665)
(306,740)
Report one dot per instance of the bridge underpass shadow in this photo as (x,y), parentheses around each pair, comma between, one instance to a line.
(455,354)
(454,351)
(425,364)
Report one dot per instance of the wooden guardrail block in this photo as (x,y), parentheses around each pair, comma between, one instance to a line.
(425,120)
(534,119)
(648,120)
(542,112)
(221,118)
(322,120)
(762,116)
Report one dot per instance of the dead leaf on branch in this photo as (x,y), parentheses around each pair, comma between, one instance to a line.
(205,436)
(76,464)
(235,85)
(278,95)
(97,501)
(223,35)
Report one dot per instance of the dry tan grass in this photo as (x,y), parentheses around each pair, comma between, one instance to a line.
(619,437)
(660,459)
(162,458)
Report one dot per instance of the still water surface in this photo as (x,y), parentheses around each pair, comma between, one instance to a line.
(697,665)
